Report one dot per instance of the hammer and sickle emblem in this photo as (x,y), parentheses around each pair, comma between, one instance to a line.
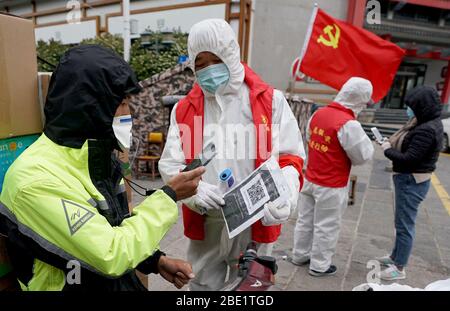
(265,121)
(333,37)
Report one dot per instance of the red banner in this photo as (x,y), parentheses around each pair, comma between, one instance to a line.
(337,51)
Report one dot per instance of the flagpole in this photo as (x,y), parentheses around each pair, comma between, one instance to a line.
(307,37)
(126,30)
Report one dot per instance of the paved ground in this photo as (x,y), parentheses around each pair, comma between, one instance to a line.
(367,232)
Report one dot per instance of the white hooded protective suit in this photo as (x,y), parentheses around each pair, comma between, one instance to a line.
(228,123)
(321,208)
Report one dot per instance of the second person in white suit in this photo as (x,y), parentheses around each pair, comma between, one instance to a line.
(336,141)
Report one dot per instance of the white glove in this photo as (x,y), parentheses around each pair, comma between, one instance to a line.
(291,175)
(208,197)
(386,145)
(276,214)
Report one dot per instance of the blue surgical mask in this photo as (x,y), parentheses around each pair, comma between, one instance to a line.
(213,77)
(410,113)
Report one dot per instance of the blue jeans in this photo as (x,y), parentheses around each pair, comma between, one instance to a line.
(408,196)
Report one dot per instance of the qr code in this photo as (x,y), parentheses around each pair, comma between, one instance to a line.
(256,192)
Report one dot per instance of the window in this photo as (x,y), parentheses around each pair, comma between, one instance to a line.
(416,13)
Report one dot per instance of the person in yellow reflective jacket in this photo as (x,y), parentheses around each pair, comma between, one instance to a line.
(63,202)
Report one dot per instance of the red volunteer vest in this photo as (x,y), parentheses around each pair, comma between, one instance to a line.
(328,164)
(190,111)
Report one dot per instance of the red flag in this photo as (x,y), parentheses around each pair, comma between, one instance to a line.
(337,51)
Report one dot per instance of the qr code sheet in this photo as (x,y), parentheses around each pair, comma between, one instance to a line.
(256,192)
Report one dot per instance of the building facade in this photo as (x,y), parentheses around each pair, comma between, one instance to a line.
(71,21)
(422,27)
(271,32)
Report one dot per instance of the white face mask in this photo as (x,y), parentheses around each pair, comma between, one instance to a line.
(122,130)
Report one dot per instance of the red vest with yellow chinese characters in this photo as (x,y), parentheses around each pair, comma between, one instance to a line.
(328,164)
(191,108)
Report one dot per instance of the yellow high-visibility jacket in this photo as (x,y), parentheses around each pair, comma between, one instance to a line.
(60,204)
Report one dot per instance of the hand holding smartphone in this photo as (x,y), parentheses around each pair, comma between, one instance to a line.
(208,153)
(378,137)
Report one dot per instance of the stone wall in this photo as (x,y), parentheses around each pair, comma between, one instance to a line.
(148,112)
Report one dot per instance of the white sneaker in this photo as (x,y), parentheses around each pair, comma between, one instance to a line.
(385,261)
(392,273)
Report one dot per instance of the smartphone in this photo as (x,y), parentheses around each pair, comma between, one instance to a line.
(208,153)
(378,137)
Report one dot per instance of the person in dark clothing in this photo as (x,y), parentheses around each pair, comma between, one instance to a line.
(414,151)
(64,203)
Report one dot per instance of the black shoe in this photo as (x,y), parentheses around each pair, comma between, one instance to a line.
(331,271)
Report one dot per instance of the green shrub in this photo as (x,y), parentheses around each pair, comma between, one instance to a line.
(145,62)
(51,51)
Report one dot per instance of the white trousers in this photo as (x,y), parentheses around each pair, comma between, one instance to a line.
(316,232)
(217,256)
(212,257)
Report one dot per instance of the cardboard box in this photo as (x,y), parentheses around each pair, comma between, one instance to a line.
(19,106)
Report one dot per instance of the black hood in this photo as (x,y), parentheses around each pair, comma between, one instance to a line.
(85,90)
(425,103)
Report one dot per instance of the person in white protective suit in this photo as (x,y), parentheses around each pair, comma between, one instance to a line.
(336,141)
(247,120)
